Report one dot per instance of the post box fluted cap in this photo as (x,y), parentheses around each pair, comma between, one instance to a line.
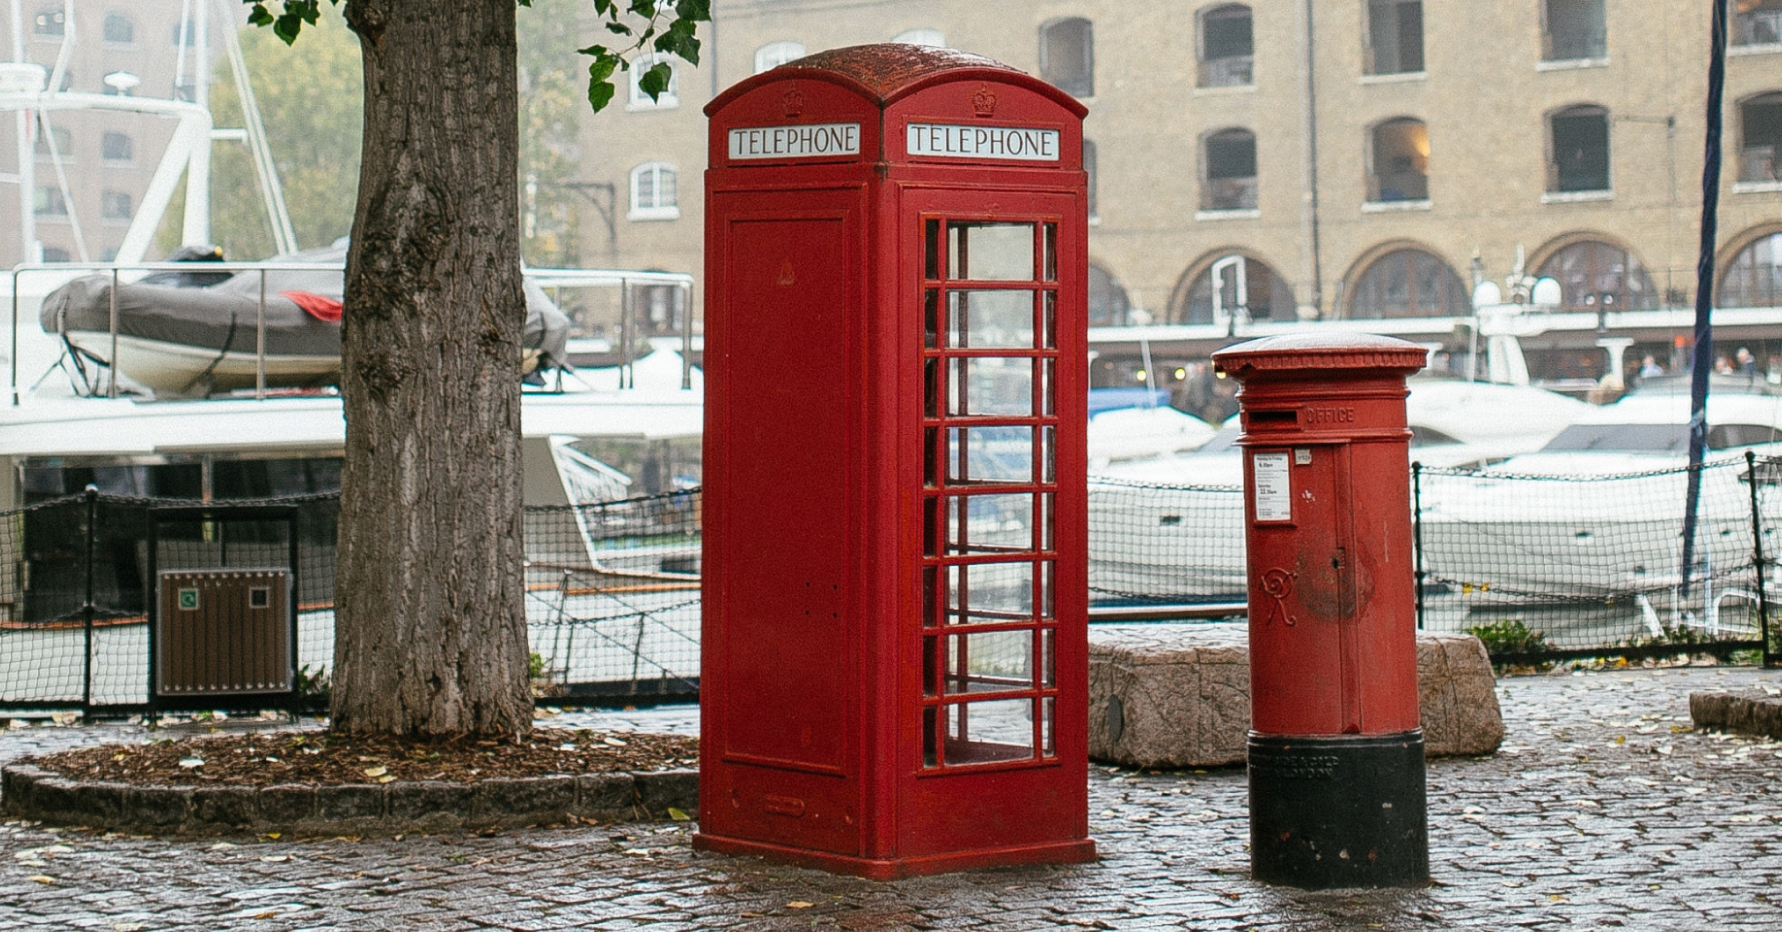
(1316,352)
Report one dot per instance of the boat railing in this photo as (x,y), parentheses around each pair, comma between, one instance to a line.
(624,280)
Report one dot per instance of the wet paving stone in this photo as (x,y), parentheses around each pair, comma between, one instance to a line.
(1603,811)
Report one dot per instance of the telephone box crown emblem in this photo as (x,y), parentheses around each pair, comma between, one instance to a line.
(984,101)
(793,101)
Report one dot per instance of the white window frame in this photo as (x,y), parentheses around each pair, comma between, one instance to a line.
(669,99)
(657,210)
(774,54)
(115,43)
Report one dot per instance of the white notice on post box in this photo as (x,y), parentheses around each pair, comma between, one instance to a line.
(1272,489)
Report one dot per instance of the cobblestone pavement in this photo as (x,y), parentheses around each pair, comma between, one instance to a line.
(1602,811)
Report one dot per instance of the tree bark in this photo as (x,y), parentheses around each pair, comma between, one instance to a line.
(430,624)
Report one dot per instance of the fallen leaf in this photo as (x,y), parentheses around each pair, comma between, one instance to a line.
(616,742)
(128,927)
(41,878)
(376,771)
(678,815)
(265,915)
(386,778)
(276,858)
(191,762)
(799,904)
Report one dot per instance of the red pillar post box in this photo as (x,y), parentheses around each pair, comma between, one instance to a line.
(894,670)
(1336,745)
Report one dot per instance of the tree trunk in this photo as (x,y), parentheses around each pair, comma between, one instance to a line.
(430,624)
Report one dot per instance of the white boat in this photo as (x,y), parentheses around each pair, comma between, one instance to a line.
(1597,514)
(1171,528)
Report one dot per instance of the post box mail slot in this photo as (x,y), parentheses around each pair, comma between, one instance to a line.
(894,674)
(224,632)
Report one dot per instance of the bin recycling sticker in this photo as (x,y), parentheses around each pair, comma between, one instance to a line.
(1274,490)
(188,600)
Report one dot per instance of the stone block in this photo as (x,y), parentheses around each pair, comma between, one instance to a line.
(431,804)
(226,806)
(660,789)
(159,806)
(1178,695)
(288,804)
(350,803)
(512,801)
(1751,712)
(605,795)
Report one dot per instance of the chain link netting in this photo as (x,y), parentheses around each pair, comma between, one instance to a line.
(1535,564)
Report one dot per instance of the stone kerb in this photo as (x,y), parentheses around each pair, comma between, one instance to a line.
(1755,712)
(1178,695)
(367,809)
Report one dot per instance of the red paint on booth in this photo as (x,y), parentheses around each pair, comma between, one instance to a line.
(894,673)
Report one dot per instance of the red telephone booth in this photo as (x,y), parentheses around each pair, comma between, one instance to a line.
(894,671)
(1337,795)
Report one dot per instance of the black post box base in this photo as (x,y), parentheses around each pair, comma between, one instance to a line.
(1339,811)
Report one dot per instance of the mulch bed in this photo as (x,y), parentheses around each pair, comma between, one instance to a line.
(319,757)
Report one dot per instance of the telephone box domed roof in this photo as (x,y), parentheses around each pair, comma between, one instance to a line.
(886,71)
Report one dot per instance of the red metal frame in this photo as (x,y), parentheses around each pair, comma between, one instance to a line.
(826,633)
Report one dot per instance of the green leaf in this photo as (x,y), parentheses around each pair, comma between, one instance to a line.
(645,8)
(654,81)
(600,93)
(287,26)
(618,29)
(694,10)
(604,7)
(679,40)
(259,16)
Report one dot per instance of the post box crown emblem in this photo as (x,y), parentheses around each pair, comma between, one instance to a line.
(1301,352)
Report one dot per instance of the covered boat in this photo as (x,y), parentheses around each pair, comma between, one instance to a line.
(184,333)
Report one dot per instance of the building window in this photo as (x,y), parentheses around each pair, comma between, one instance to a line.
(63,140)
(1757,22)
(56,254)
(640,100)
(49,24)
(1235,285)
(117,147)
(119,29)
(653,192)
(1598,276)
(116,205)
(1227,49)
(1760,144)
(1575,29)
(1067,56)
(933,38)
(1400,154)
(1089,168)
(1754,277)
(1580,159)
(49,202)
(1408,283)
(1108,301)
(185,32)
(1230,162)
(774,54)
(1395,36)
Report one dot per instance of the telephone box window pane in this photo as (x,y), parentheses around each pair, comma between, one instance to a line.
(930,470)
(931,390)
(1046,586)
(931,241)
(1048,658)
(996,319)
(1051,251)
(930,681)
(1049,726)
(931,319)
(992,385)
(992,662)
(1048,454)
(1048,522)
(990,454)
(930,737)
(990,252)
(930,576)
(984,732)
(989,592)
(1049,322)
(930,520)
(1048,403)
(990,523)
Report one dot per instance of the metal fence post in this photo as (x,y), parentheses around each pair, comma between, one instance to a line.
(1417,532)
(1770,658)
(86,678)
